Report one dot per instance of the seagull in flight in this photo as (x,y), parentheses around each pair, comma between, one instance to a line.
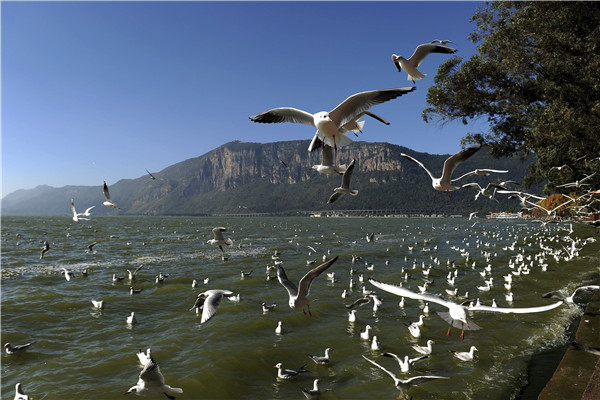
(422,51)
(108,202)
(44,249)
(405,384)
(487,191)
(457,313)
(152,382)
(443,183)
(569,299)
(219,239)
(208,302)
(328,124)
(480,172)
(76,217)
(444,42)
(299,295)
(345,188)
(149,173)
(327,165)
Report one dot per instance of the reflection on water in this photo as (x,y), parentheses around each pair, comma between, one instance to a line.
(80,351)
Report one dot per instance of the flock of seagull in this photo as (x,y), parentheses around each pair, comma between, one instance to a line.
(332,129)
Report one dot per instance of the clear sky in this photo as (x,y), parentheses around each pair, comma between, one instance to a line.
(95,91)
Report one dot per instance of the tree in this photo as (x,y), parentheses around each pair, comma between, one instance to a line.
(537,80)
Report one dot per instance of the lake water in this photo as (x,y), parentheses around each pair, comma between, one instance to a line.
(80,352)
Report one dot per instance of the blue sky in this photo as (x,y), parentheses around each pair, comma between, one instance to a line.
(95,91)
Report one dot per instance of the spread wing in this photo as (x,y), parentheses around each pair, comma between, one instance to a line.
(347,176)
(425,49)
(358,103)
(400,291)
(522,310)
(151,374)
(306,281)
(284,114)
(105,191)
(285,282)
(218,232)
(419,163)
(452,162)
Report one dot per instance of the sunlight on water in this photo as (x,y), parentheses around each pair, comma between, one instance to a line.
(82,352)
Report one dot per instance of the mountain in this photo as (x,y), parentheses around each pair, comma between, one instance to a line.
(243,177)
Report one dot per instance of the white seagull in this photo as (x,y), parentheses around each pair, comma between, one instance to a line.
(219,239)
(457,313)
(480,172)
(569,299)
(443,183)
(327,165)
(98,303)
(405,384)
(76,217)
(143,357)
(284,373)
(406,363)
(108,202)
(314,392)
(19,393)
(322,360)
(328,124)
(86,213)
(10,349)
(422,51)
(299,295)
(424,349)
(345,188)
(465,355)
(152,382)
(209,301)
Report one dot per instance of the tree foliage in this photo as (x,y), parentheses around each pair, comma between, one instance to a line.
(536,78)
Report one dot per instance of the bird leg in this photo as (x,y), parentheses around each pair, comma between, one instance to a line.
(462,335)
(448,334)
(168,396)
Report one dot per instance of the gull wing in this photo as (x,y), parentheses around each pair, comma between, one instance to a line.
(87,210)
(306,281)
(105,191)
(73,208)
(359,302)
(452,162)
(151,374)
(358,103)
(210,305)
(400,291)
(285,282)
(390,373)
(218,232)
(517,310)
(417,380)
(419,163)
(334,197)
(423,50)
(377,117)
(284,114)
(347,176)
(327,155)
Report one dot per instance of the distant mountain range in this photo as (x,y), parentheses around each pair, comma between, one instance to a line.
(243,177)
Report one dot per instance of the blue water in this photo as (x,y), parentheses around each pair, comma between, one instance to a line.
(81,352)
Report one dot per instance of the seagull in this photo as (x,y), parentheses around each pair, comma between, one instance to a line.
(487,190)
(314,392)
(279,329)
(90,248)
(284,373)
(569,299)
(219,239)
(208,302)
(465,355)
(143,357)
(152,382)
(375,344)
(457,313)
(427,350)
(550,212)
(151,176)
(108,202)
(116,278)
(480,172)
(98,303)
(422,51)
(20,394)
(45,249)
(133,291)
(405,384)
(406,363)
(131,318)
(322,360)
(366,335)
(443,183)
(86,213)
(327,165)
(268,307)
(345,188)
(16,349)
(134,273)
(329,123)
(444,42)
(299,295)
(76,217)
(68,274)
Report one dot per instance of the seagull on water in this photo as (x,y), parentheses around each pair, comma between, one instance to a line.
(569,299)
(328,124)
(423,50)
(284,373)
(427,350)
(131,318)
(465,355)
(19,393)
(90,248)
(10,349)
(208,302)
(219,239)
(405,363)
(133,274)
(45,249)
(108,202)
(345,188)
(457,313)
(314,392)
(68,274)
(405,384)
(322,360)
(298,296)
(443,183)
(98,303)
(152,382)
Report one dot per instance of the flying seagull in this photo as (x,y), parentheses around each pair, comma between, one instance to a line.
(209,301)
(345,188)
(422,51)
(327,165)
(480,172)
(443,183)
(149,173)
(329,123)
(44,249)
(152,382)
(569,299)
(76,217)
(108,202)
(405,384)
(219,239)
(299,295)
(457,313)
